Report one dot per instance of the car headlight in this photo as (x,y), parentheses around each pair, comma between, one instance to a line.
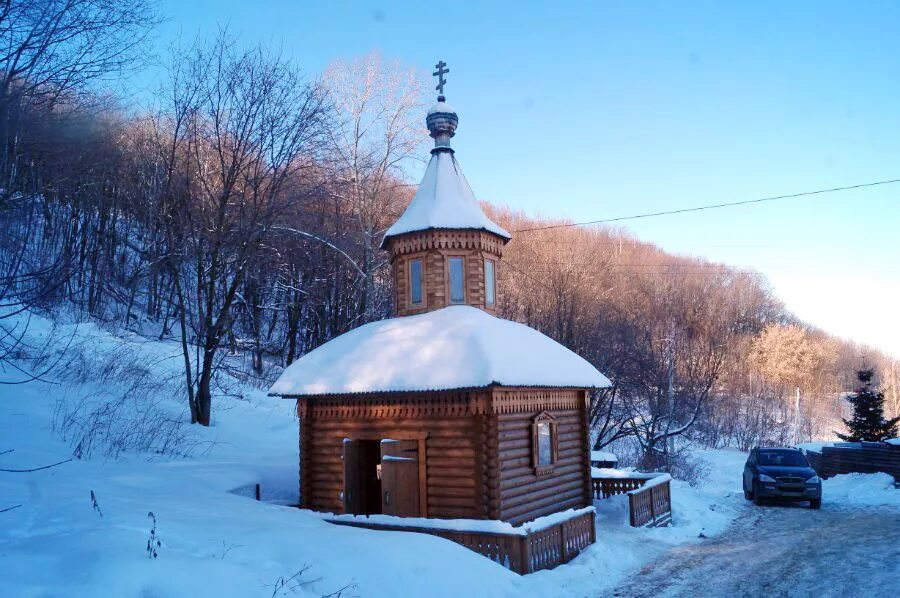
(814,480)
(764,478)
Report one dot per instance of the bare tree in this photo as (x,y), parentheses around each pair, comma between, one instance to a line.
(893,390)
(51,52)
(242,125)
(378,133)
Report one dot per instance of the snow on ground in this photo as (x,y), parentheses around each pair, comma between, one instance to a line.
(217,540)
(214,541)
(621,549)
(861,489)
(490,526)
(784,550)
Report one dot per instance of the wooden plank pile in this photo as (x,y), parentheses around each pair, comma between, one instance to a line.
(862,457)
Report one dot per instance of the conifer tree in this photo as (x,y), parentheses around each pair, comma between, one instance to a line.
(868,421)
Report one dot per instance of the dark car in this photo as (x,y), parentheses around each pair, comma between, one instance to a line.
(781,473)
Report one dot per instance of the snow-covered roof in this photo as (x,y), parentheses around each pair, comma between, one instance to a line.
(603,456)
(454,347)
(442,107)
(443,200)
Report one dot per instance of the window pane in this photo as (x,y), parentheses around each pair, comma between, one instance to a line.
(415,281)
(489,282)
(544,453)
(457,289)
(784,458)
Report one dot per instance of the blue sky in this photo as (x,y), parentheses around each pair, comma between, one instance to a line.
(597,110)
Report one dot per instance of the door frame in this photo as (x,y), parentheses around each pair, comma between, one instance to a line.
(420,437)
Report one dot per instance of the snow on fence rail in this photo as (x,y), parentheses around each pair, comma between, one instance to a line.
(541,544)
(649,494)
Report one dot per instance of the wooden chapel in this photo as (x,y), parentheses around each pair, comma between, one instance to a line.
(446,410)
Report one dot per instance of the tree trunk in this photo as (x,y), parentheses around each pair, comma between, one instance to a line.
(203,402)
(203,398)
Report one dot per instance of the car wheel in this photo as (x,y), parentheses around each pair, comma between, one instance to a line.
(815,503)
(757,497)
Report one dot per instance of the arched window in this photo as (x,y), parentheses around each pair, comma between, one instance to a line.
(544,443)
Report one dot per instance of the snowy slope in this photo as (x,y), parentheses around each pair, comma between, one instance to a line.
(216,540)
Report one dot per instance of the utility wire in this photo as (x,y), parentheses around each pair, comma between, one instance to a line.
(713,206)
(529,276)
(711,266)
(642,244)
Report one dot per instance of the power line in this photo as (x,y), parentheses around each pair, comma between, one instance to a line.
(656,268)
(555,267)
(712,206)
(641,244)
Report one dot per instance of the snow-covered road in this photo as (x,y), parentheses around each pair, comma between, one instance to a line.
(841,550)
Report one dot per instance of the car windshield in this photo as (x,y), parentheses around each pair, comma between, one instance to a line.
(782,459)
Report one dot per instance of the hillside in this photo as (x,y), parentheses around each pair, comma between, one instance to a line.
(214,537)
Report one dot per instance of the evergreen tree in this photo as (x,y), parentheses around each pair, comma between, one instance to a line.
(868,421)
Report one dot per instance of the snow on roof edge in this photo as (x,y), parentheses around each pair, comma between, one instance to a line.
(421,390)
(455,347)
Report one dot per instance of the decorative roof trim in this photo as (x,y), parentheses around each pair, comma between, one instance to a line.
(471,237)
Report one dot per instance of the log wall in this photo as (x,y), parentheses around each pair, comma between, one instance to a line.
(478,449)
(523,493)
(434,247)
(453,438)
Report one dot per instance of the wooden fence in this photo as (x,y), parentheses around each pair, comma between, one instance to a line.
(523,553)
(651,505)
(649,496)
(610,486)
(861,457)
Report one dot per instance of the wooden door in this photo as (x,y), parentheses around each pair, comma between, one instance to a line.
(352,489)
(400,477)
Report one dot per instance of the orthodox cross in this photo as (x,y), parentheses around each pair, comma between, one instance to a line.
(439,73)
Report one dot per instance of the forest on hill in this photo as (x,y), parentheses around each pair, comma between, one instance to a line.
(693,348)
(241,209)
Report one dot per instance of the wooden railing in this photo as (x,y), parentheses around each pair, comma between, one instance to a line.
(523,552)
(649,496)
(610,486)
(651,504)
(558,544)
